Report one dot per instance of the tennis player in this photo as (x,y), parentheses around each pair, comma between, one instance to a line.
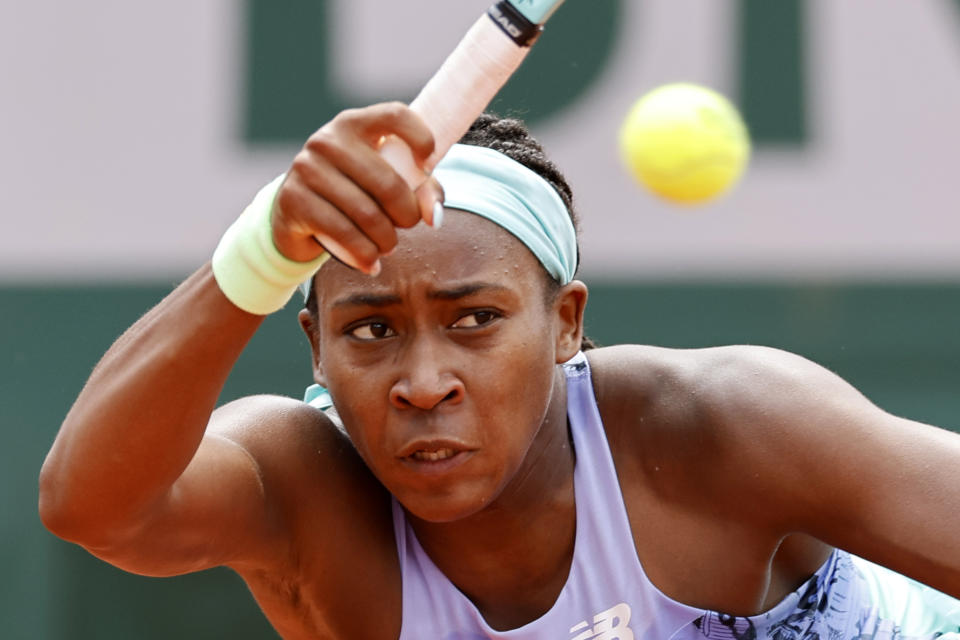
(467,471)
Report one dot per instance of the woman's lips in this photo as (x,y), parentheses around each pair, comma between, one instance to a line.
(436,461)
(424,455)
(433,448)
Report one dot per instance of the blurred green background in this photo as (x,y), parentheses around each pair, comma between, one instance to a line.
(895,339)
(898,344)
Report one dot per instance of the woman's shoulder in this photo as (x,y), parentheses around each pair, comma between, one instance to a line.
(333,507)
(647,378)
(278,427)
(676,381)
(299,450)
(689,410)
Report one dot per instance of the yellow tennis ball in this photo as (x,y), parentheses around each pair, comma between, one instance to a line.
(685,142)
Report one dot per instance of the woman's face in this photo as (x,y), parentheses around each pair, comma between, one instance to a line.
(443,366)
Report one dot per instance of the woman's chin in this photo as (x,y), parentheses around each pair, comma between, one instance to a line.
(444,508)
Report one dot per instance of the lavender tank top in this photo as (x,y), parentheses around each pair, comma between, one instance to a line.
(607,595)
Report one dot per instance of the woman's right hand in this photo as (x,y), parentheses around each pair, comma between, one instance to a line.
(341,195)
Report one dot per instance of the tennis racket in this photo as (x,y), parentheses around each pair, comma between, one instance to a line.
(471,76)
(468,80)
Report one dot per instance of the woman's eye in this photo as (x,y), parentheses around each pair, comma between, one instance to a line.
(475,319)
(371,331)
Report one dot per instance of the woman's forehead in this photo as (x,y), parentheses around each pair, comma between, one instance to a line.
(463,237)
(467,247)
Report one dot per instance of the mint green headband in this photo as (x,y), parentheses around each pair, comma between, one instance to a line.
(491,185)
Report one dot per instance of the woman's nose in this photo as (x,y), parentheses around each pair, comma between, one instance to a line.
(426,382)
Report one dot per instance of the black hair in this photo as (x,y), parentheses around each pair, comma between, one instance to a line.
(511,137)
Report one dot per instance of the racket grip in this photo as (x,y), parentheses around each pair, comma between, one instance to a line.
(459,92)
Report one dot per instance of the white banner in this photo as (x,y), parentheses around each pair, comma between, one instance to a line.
(121,155)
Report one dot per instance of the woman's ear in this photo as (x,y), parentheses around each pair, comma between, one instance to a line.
(568,308)
(309,326)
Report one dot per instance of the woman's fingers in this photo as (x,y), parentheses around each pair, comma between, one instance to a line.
(341,192)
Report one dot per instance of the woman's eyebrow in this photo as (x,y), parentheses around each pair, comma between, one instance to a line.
(465,290)
(367,300)
(388,299)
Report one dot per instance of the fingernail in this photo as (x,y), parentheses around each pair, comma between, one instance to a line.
(375,269)
(437,215)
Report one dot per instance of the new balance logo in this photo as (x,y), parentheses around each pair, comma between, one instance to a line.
(607,625)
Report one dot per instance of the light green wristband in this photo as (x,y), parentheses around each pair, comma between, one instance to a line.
(249,269)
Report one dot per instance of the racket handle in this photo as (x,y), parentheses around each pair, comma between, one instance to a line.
(459,92)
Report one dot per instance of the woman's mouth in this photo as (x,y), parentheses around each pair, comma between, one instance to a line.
(436,459)
(424,455)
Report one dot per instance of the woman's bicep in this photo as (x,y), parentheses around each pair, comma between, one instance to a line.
(217,512)
(833,465)
(902,490)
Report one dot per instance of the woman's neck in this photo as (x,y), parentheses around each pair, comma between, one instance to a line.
(513,557)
